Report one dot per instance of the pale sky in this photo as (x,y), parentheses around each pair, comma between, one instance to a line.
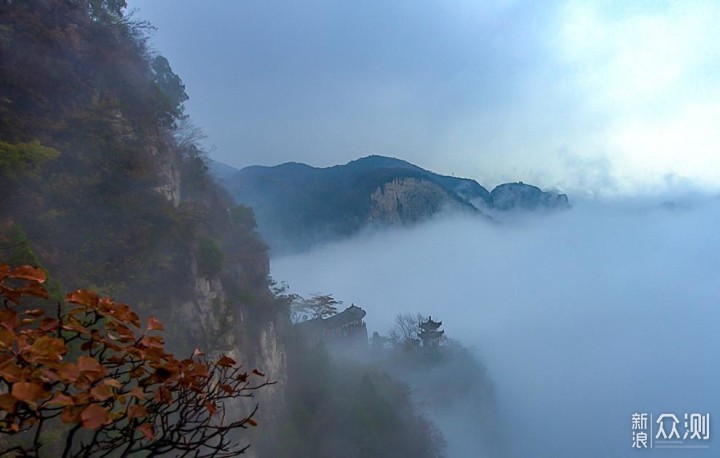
(593,98)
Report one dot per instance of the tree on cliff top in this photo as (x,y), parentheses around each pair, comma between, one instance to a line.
(317,306)
(89,382)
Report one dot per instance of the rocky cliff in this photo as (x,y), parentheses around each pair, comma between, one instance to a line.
(103,189)
(521,196)
(408,200)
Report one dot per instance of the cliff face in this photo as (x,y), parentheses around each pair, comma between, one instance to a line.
(107,194)
(513,196)
(408,200)
(221,325)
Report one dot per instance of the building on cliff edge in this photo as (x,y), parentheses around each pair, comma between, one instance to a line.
(343,333)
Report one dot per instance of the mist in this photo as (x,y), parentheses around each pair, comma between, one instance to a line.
(582,318)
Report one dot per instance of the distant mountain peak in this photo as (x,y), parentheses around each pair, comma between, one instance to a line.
(298,206)
(375,160)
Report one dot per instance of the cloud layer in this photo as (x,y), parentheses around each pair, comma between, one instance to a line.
(582,318)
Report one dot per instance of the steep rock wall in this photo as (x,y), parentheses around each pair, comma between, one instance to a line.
(407,200)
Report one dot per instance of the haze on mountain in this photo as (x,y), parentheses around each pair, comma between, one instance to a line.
(298,206)
(580,317)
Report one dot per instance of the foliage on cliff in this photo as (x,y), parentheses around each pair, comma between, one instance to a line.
(106,188)
(87,380)
(104,181)
(344,407)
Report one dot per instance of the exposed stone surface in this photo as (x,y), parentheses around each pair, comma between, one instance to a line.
(512,196)
(407,200)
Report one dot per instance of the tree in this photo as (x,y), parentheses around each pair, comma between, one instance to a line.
(317,306)
(23,158)
(89,382)
(104,9)
(406,330)
(171,91)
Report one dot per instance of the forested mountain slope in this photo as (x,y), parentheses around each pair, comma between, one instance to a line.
(103,186)
(299,206)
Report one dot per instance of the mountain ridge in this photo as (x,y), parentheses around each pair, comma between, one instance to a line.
(299,206)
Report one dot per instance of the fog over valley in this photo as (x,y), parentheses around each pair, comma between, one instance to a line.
(359,229)
(582,317)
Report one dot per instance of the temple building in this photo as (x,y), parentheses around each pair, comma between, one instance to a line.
(429,334)
(343,332)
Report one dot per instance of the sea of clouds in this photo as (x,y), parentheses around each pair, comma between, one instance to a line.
(582,317)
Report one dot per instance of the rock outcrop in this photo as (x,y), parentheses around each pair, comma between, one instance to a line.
(521,196)
(408,200)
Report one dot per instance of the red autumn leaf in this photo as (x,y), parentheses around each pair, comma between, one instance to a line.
(7,402)
(226,388)
(11,372)
(113,383)
(257,372)
(33,289)
(210,406)
(88,364)
(71,414)
(4,271)
(252,422)
(83,297)
(147,431)
(200,370)
(163,395)
(48,347)
(95,416)
(62,400)
(49,324)
(225,361)
(28,273)
(101,392)
(12,296)
(6,338)
(137,392)
(136,411)
(74,328)
(154,324)
(48,376)
(152,342)
(68,372)
(138,371)
(28,392)
(124,313)
(9,319)
(82,398)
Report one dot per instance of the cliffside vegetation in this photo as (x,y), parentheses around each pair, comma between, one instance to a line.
(349,407)
(101,171)
(89,380)
(105,188)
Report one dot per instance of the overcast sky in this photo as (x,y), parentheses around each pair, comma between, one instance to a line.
(588,97)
